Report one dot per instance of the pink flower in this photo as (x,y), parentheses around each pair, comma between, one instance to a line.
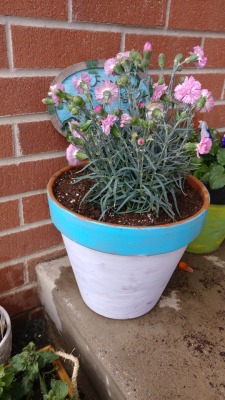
(107,92)
(205,144)
(152,106)
(71,152)
(159,91)
(189,91)
(202,60)
(107,123)
(72,130)
(83,84)
(123,56)
(147,46)
(53,90)
(209,101)
(98,109)
(125,119)
(109,65)
(141,142)
(141,104)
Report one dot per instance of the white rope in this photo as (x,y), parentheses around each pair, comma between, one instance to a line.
(75,363)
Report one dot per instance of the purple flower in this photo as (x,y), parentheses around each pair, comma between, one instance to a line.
(202,60)
(53,90)
(71,152)
(125,119)
(109,65)
(209,101)
(107,123)
(223,142)
(159,91)
(107,92)
(189,91)
(83,84)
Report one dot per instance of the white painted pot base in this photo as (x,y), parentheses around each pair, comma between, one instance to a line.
(6,342)
(120,287)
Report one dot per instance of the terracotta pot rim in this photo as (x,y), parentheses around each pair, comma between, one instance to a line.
(194,182)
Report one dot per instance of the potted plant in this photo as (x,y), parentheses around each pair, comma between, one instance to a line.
(38,374)
(5,335)
(134,206)
(210,169)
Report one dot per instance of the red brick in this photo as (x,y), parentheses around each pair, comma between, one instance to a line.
(148,13)
(35,261)
(39,137)
(169,45)
(27,315)
(11,277)
(215,118)
(56,9)
(35,208)
(20,301)
(26,242)
(213,82)
(6,141)
(61,47)
(28,176)
(215,51)
(204,15)
(24,95)
(9,217)
(3,48)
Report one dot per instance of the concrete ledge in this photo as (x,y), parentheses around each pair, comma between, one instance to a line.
(177,351)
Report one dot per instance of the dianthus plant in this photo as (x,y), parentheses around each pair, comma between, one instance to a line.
(133,129)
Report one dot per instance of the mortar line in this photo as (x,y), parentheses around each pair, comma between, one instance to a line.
(31,158)
(32,256)
(70,11)
(167,14)
(9,46)
(101,27)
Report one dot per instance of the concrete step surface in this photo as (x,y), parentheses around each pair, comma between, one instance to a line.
(176,351)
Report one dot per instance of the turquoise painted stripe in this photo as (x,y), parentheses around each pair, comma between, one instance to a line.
(124,240)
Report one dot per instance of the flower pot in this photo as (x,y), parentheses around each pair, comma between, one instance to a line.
(6,342)
(213,231)
(122,271)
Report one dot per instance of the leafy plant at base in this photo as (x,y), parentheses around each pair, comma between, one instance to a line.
(25,369)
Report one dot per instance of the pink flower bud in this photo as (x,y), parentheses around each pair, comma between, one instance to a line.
(147,46)
(98,109)
(141,142)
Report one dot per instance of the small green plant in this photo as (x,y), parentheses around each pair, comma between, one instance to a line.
(209,167)
(26,371)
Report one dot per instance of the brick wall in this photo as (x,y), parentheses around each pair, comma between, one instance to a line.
(38,38)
